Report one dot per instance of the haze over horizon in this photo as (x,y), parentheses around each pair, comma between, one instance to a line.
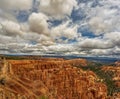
(60,27)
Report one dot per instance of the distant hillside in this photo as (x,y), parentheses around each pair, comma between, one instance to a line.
(95,59)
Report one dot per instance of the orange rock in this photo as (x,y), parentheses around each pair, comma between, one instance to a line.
(54,78)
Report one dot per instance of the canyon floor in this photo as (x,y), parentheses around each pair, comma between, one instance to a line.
(33,77)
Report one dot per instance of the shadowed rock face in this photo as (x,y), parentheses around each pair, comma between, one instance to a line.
(53,78)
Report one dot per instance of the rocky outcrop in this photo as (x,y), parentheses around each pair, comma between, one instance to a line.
(115,70)
(55,79)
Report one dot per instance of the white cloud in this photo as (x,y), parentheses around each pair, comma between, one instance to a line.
(5,39)
(38,23)
(59,49)
(10,9)
(10,28)
(95,44)
(6,15)
(15,46)
(57,8)
(46,40)
(35,39)
(116,50)
(31,37)
(15,4)
(101,51)
(105,20)
(64,30)
(101,17)
(114,37)
(39,35)
(98,26)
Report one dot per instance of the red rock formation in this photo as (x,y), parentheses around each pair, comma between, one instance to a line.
(56,79)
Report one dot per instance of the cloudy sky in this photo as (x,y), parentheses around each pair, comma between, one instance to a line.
(60,27)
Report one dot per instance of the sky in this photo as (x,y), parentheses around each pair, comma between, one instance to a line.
(60,27)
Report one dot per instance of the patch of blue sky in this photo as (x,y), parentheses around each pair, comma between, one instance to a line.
(94,3)
(83,1)
(54,22)
(86,33)
(69,40)
(35,6)
(22,16)
(72,41)
(33,42)
(77,15)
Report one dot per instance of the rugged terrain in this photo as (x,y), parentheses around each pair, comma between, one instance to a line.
(56,78)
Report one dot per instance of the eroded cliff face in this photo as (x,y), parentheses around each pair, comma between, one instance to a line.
(52,78)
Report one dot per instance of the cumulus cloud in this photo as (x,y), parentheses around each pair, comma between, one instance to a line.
(10,10)
(65,30)
(38,23)
(100,16)
(114,37)
(98,26)
(6,15)
(46,40)
(57,8)
(104,21)
(85,27)
(10,28)
(30,37)
(61,48)
(15,4)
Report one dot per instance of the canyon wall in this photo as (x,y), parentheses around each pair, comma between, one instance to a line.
(51,78)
